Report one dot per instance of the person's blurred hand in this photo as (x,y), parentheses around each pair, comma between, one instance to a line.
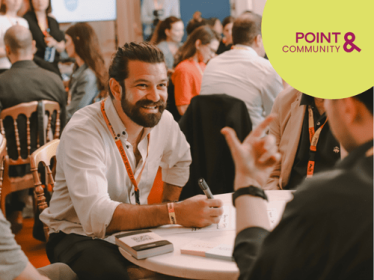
(198,211)
(50,41)
(254,158)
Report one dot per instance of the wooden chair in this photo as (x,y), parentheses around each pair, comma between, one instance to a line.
(2,159)
(13,184)
(44,155)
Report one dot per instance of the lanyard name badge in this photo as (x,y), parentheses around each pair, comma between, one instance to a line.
(134,181)
(313,138)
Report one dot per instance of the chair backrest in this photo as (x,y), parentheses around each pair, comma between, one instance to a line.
(27,109)
(2,160)
(43,155)
(211,158)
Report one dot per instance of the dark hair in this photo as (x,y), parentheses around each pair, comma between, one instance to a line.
(246,28)
(367,98)
(87,48)
(212,21)
(204,33)
(144,52)
(193,24)
(159,34)
(227,20)
(48,11)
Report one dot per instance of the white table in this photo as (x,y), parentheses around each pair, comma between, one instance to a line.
(194,267)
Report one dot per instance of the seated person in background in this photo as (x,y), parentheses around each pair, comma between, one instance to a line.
(95,195)
(226,42)
(168,37)
(215,24)
(327,229)
(89,76)
(195,22)
(191,59)
(25,82)
(242,72)
(291,131)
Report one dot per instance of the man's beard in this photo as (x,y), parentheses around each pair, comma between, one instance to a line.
(143,119)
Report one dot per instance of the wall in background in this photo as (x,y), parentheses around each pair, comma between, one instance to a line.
(208,8)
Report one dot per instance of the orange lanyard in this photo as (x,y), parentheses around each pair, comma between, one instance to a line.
(122,152)
(313,137)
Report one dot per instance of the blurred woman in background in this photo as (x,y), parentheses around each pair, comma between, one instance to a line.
(191,60)
(215,24)
(45,31)
(8,18)
(89,77)
(226,42)
(168,37)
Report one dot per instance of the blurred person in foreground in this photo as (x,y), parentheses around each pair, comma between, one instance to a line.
(326,231)
(168,37)
(89,78)
(242,72)
(191,61)
(95,195)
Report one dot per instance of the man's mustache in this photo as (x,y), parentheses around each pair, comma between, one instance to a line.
(145,102)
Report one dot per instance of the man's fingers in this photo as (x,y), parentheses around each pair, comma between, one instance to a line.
(215,212)
(260,129)
(214,203)
(231,139)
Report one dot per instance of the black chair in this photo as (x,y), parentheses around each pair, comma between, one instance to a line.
(171,107)
(211,157)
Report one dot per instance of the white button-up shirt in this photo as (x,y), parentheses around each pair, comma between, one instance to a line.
(243,74)
(91,178)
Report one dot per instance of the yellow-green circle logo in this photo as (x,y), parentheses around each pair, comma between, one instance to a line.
(324,48)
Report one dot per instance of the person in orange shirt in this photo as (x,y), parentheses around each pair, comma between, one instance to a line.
(191,60)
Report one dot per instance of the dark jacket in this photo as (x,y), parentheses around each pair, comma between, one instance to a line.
(211,157)
(326,231)
(26,82)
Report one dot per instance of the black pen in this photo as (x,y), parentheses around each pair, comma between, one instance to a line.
(205,188)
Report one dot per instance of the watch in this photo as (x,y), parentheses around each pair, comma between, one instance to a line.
(251,190)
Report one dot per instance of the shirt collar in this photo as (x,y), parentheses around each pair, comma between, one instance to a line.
(245,48)
(116,121)
(307,100)
(24,64)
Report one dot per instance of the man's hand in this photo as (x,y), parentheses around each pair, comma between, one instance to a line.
(198,211)
(254,158)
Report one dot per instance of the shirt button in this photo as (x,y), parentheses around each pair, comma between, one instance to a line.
(318,123)
(127,146)
(124,132)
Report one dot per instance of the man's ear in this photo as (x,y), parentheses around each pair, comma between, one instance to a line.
(33,47)
(258,40)
(115,88)
(7,51)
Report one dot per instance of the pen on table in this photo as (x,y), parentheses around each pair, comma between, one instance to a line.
(205,188)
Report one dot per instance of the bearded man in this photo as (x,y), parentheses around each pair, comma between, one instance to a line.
(107,160)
